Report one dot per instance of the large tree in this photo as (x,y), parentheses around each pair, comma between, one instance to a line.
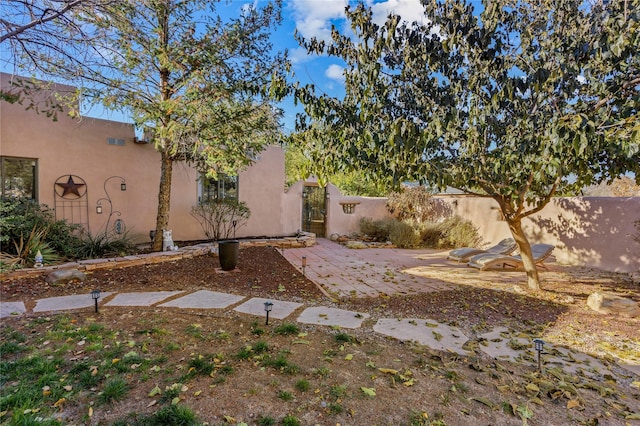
(201,84)
(515,103)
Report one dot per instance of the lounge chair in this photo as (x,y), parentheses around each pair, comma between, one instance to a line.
(484,261)
(463,254)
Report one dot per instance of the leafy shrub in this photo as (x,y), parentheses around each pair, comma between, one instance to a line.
(377,230)
(405,235)
(27,224)
(220,218)
(451,232)
(414,204)
(103,244)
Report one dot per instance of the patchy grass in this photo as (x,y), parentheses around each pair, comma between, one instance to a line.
(136,377)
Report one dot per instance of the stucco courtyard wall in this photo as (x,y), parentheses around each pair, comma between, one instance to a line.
(79,147)
(587,231)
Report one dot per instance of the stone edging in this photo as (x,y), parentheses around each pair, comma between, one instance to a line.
(304,239)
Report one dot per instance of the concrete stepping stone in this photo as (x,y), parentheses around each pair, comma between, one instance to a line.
(332,317)
(430,333)
(63,303)
(500,344)
(11,309)
(204,299)
(255,306)
(141,299)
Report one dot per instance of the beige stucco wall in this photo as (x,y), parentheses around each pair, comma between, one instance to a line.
(79,147)
(588,231)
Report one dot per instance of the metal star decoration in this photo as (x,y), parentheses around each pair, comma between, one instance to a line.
(70,187)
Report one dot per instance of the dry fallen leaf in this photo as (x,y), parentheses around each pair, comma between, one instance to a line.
(572,403)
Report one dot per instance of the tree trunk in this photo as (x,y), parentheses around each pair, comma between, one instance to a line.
(533,280)
(164,199)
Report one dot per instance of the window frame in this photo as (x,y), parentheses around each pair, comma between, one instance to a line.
(4,176)
(209,186)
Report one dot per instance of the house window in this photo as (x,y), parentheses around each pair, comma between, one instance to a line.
(223,188)
(18,177)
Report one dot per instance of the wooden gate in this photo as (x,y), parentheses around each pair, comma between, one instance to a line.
(314,210)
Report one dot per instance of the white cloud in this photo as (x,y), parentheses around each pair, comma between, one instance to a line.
(313,17)
(408,10)
(335,72)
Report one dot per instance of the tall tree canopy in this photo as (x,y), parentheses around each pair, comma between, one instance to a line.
(514,103)
(202,84)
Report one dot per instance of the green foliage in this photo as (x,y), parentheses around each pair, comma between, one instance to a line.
(377,230)
(26,227)
(174,414)
(266,421)
(449,233)
(115,389)
(178,415)
(303,385)
(414,204)
(103,245)
(299,166)
(287,329)
(405,234)
(291,421)
(217,217)
(285,395)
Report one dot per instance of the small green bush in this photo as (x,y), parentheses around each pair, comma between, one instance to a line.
(450,233)
(377,230)
(102,245)
(405,235)
(19,217)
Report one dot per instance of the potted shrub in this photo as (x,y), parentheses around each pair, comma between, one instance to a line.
(219,220)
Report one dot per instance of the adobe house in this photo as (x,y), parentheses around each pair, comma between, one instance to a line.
(95,173)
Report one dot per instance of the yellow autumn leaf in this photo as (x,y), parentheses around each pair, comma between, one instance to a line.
(349,357)
(155,391)
(572,403)
(533,387)
(60,402)
(197,393)
(388,370)
(90,411)
(115,360)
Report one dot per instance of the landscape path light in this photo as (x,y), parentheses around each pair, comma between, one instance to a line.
(304,264)
(95,295)
(268,306)
(539,346)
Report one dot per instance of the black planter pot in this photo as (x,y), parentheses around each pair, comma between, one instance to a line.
(228,253)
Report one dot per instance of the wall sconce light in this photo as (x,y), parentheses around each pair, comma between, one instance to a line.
(304,263)
(268,306)
(123,186)
(99,209)
(95,295)
(539,346)
(455,203)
